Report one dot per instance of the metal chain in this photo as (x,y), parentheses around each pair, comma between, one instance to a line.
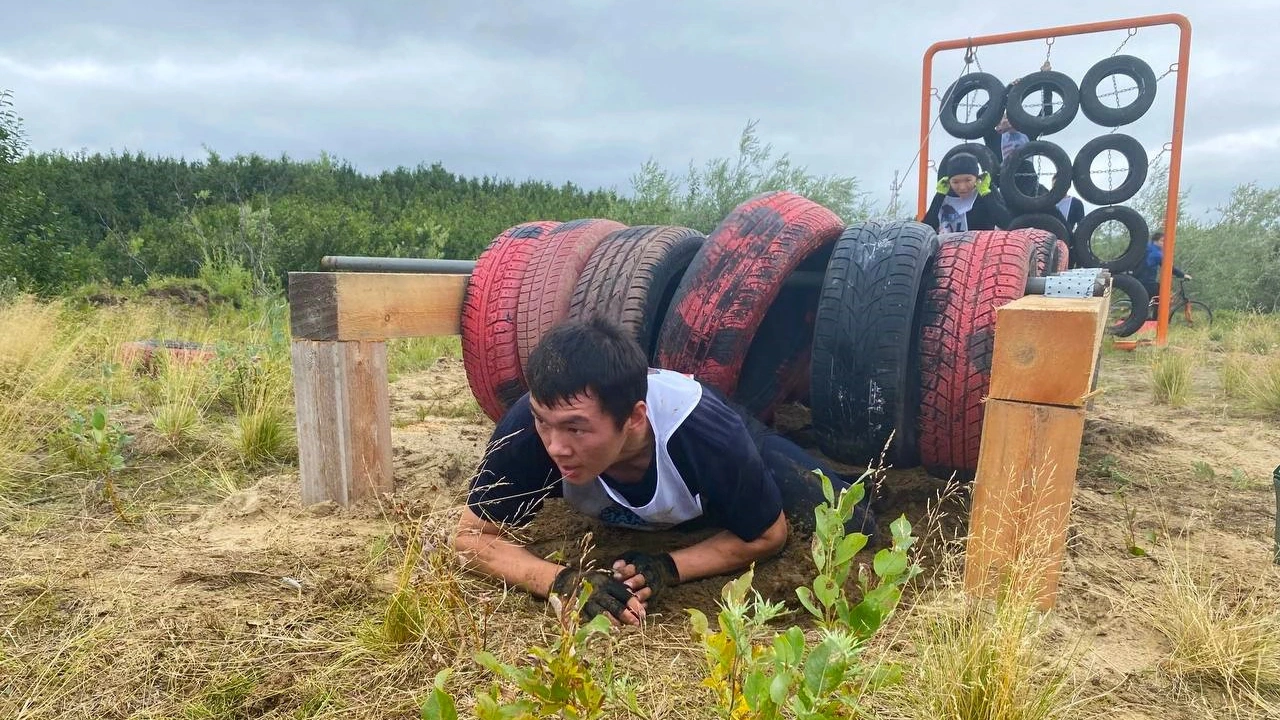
(969,56)
(1048,51)
(1132,32)
(1173,68)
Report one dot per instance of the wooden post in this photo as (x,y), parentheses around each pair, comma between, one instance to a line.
(340,323)
(344,419)
(1043,364)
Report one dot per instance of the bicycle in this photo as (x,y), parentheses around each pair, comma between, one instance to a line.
(1185,311)
(1122,322)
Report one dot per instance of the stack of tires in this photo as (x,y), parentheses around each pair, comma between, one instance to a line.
(1036,206)
(884,329)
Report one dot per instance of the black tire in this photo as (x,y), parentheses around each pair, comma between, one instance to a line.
(865,384)
(1093,107)
(1019,201)
(988,116)
(1125,324)
(1082,169)
(1037,125)
(631,276)
(1132,256)
(1043,221)
(987,160)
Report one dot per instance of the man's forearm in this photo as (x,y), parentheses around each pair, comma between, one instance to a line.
(725,552)
(497,557)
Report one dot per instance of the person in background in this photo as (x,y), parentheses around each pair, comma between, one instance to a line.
(1148,273)
(965,199)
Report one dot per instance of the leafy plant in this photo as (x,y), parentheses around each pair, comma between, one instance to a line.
(758,677)
(97,446)
(558,680)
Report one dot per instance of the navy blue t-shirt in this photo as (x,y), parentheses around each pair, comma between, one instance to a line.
(712,450)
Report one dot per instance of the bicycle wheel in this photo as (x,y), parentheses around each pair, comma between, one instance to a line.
(1193,314)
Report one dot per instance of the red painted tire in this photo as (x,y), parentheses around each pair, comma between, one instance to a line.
(489,353)
(776,367)
(1046,250)
(551,275)
(1063,256)
(734,280)
(632,275)
(975,273)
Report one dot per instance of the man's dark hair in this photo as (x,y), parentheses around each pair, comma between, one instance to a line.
(1157,236)
(593,355)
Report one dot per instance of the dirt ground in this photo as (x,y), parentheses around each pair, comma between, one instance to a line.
(1149,475)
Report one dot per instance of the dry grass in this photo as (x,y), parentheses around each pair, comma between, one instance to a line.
(1264,386)
(1171,376)
(1220,636)
(994,657)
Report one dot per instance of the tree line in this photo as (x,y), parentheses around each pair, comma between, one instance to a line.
(70,219)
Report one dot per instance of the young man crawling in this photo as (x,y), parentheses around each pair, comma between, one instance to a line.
(636,447)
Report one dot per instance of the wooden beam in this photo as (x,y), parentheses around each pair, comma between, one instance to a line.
(343,420)
(374,306)
(1043,365)
(1047,349)
(1022,499)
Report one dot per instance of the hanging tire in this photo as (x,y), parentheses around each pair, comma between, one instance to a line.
(1042,221)
(865,383)
(1136,69)
(1037,125)
(1020,201)
(1133,254)
(734,279)
(987,160)
(551,276)
(988,116)
(488,323)
(631,276)
(974,274)
(1128,313)
(1134,155)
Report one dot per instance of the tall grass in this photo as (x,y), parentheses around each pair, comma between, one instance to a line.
(1171,377)
(1227,638)
(1264,386)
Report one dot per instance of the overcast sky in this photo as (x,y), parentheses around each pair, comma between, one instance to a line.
(585,91)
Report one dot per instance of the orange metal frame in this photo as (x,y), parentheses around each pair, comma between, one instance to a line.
(1175,155)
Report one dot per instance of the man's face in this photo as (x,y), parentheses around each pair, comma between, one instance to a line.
(580,437)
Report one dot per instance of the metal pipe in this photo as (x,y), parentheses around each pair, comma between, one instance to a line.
(353,263)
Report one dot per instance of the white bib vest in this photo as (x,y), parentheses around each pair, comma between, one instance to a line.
(1064,207)
(670,398)
(953,216)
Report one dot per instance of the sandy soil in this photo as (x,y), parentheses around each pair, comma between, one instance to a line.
(258,551)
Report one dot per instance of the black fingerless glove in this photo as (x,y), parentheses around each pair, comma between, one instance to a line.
(607,594)
(659,571)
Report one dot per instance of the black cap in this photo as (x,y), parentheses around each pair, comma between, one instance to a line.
(962,164)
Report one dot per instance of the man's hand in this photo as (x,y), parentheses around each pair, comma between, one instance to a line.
(944,185)
(647,575)
(608,595)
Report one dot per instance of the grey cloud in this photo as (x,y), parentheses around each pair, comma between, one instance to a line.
(586,91)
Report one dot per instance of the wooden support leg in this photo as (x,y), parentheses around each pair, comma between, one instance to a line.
(1022,499)
(344,419)
(1043,366)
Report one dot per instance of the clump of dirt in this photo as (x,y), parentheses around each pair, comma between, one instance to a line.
(191,294)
